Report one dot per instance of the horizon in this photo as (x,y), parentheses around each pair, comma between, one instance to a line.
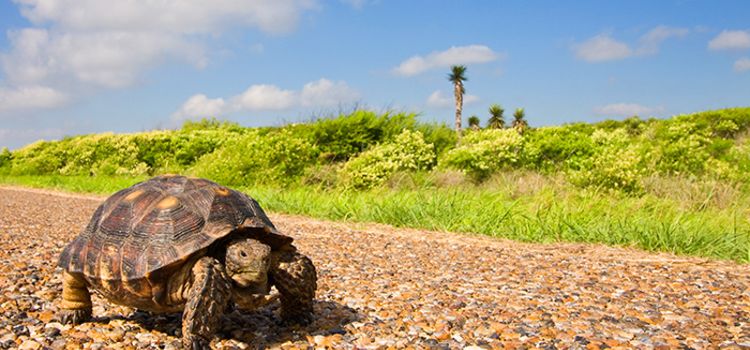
(79,67)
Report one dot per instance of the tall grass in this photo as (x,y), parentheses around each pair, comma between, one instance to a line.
(647,223)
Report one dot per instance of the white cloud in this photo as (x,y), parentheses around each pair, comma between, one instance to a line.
(178,17)
(627,110)
(30,97)
(650,42)
(742,65)
(264,98)
(440,100)
(453,56)
(730,40)
(325,93)
(200,106)
(82,45)
(100,59)
(602,48)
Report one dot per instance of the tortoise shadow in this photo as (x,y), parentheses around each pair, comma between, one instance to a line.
(260,328)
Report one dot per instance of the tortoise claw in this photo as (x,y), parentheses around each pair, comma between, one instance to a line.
(74,316)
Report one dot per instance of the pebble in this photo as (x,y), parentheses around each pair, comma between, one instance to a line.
(382,288)
(30,345)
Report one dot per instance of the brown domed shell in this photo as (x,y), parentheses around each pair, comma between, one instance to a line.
(162,222)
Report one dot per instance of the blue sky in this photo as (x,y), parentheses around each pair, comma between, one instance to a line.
(71,67)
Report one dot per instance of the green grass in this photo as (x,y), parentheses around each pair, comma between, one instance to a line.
(509,207)
(78,184)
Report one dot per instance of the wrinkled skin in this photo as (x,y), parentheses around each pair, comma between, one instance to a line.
(247,262)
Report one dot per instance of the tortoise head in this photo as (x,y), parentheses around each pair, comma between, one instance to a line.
(247,263)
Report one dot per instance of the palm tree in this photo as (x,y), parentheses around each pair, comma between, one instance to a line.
(474,123)
(519,120)
(496,120)
(457,76)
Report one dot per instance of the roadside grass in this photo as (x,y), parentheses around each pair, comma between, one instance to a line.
(80,184)
(523,207)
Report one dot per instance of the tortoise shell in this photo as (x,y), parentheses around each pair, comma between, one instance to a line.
(159,224)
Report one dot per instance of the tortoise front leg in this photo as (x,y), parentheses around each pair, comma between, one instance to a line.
(76,299)
(294,276)
(207,299)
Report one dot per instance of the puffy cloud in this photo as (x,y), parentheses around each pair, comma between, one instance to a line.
(442,59)
(440,100)
(602,48)
(730,40)
(82,45)
(266,97)
(179,17)
(742,65)
(627,110)
(200,106)
(30,97)
(325,93)
(263,98)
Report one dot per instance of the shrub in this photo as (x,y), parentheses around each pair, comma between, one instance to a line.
(682,148)
(484,152)
(614,164)
(342,137)
(5,157)
(211,124)
(550,148)
(408,151)
(253,158)
(38,158)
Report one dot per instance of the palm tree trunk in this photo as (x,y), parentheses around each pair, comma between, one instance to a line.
(458,91)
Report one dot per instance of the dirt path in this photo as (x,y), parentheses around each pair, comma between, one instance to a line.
(382,287)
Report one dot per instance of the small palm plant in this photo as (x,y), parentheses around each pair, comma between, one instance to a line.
(474,123)
(519,120)
(457,76)
(496,120)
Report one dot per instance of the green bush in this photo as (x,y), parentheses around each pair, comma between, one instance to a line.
(682,148)
(613,164)
(253,158)
(38,158)
(340,138)
(408,151)
(549,148)
(483,152)
(440,135)
(211,124)
(5,158)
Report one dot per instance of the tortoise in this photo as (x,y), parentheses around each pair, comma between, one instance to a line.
(177,243)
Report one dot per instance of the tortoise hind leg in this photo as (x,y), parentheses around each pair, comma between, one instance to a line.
(76,300)
(207,299)
(294,276)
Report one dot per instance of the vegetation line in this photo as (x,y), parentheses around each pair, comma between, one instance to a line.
(678,185)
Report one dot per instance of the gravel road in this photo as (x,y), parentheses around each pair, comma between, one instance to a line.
(386,288)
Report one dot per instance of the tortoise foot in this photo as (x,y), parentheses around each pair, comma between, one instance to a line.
(197,343)
(74,316)
(301,319)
